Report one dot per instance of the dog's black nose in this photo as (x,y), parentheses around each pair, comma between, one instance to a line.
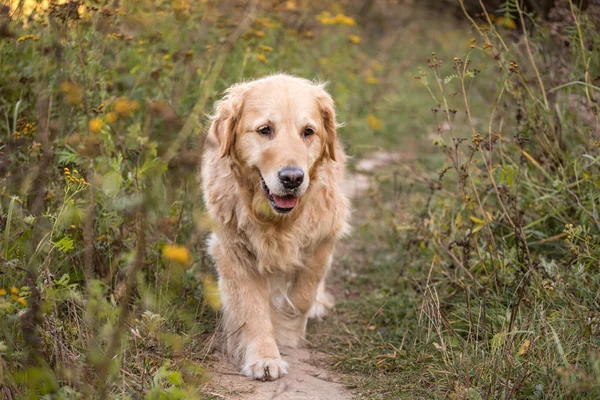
(291,178)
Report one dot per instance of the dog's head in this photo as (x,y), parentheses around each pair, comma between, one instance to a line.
(278,129)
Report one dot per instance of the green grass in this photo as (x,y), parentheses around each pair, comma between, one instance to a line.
(475,284)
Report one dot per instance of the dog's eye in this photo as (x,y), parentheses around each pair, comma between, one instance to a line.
(308,132)
(265,130)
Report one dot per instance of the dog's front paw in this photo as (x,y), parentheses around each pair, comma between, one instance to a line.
(266,369)
(322,304)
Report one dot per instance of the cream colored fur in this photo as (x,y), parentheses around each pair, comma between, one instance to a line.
(272,266)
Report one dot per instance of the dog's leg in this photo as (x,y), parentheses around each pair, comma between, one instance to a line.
(308,290)
(324,301)
(247,320)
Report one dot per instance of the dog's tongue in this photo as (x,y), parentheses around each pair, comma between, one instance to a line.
(285,202)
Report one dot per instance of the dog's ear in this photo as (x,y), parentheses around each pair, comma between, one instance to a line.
(327,109)
(227,114)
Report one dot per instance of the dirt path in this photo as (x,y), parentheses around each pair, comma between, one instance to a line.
(308,379)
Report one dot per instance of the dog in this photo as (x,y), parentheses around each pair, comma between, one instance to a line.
(271,174)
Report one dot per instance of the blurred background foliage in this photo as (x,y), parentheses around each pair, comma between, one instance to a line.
(473,268)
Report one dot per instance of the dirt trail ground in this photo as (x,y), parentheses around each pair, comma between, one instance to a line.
(309,377)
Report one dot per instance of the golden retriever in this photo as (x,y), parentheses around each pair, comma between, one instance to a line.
(271,173)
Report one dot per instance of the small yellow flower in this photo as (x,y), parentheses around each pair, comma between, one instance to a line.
(95,125)
(14,290)
(340,19)
(266,22)
(344,20)
(178,254)
(126,107)
(111,117)
(211,293)
(28,37)
(75,171)
(507,23)
(259,34)
(22,301)
(266,49)
(167,57)
(262,58)
(354,39)
(66,169)
(2,292)
(374,122)
(524,347)
(371,80)
(291,5)
(72,226)
(122,105)
(72,92)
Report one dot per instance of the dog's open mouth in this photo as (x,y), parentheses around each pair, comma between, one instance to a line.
(281,204)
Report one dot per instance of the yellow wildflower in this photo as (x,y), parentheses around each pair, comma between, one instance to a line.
(2,292)
(22,301)
(266,49)
(14,290)
(371,80)
(524,347)
(28,37)
(340,19)
(507,23)
(178,254)
(111,117)
(259,34)
(211,292)
(325,18)
(72,91)
(72,226)
(344,20)
(266,23)
(354,39)
(291,5)
(126,107)
(374,122)
(262,58)
(95,125)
